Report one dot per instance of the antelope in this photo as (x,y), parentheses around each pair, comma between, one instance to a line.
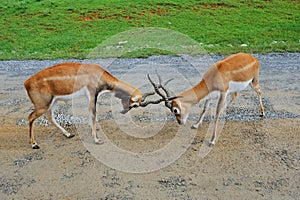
(228,76)
(67,80)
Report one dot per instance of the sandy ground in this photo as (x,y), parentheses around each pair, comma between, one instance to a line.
(253,159)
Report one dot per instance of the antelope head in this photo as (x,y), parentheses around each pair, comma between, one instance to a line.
(132,101)
(180,109)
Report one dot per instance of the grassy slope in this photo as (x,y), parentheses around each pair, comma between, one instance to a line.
(50,29)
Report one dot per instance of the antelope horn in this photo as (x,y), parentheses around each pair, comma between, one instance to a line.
(146,95)
(159,86)
(145,103)
(156,89)
(162,85)
(166,98)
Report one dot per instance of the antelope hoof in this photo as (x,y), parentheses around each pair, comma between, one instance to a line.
(211,143)
(98,142)
(35,146)
(194,127)
(69,135)
(262,115)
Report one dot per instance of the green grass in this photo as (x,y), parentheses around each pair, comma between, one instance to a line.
(52,29)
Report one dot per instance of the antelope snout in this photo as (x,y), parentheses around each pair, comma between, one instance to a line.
(180,122)
(124,111)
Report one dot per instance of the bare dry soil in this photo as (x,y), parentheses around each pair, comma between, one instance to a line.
(253,159)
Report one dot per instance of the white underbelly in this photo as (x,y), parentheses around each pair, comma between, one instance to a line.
(82,92)
(238,86)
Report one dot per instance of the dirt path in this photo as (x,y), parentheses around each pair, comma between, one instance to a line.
(253,158)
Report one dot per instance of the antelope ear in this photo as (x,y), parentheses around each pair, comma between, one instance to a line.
(175,97)
(135,98)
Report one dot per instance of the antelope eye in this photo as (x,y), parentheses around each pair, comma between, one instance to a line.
(175,111)
(134,105)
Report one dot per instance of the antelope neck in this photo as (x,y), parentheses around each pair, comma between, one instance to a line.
(122,89)
(196,93)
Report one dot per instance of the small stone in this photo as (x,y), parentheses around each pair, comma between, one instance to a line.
(122,42)
(274,42)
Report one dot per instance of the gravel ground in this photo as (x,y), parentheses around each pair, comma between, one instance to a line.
(254,158)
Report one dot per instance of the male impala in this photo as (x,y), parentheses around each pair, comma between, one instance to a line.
(229,75)
(66,80)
